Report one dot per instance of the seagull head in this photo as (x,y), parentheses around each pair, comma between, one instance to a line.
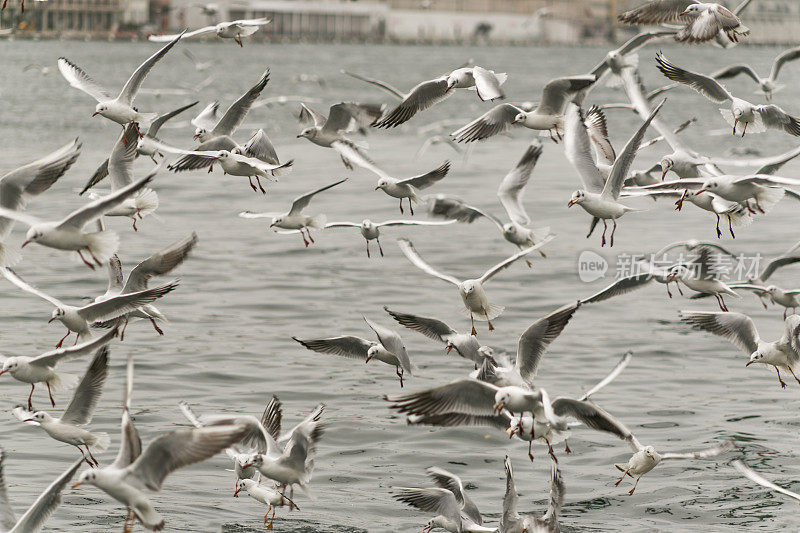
(501,399)
(678,271)
(755,357)
(650,452)
(450,346)
(372,352)
(199,133)
(468,287)
(100,109)
(308,133)
(519,118)
(666,165)
(276,221)
(57,313)
(9,365)
(38,417)
(692,9)
(710,185)
(222,155)
(382,184)
(33,235)
(255,460)
(577,197)
(89,477)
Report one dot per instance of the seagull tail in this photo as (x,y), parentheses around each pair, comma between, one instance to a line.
(103,244)
(145,119)
(9,256)
(318,222)
(101,441)
(63,381)
(494,311)
(146,202)
(770,196)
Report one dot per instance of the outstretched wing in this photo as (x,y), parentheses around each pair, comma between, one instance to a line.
(705,85)
(408,250)
(78,78)
(735,327)
(302,202)
(86,395)
(489,274)
(539,335)
(160,263)
(513,184)
(235,114)
(131,87)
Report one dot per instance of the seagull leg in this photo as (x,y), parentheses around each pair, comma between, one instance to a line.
(4,5)
(271,520)
(410,207)
(472,320)
(783,384)
(250,178)
(550,451)
(730,227)
(379,246)
(399,372)
(722,301)
(668,293)
(679,203)
(620,479)
(211,167)
(784,312)
(747,205)
(530,451)
(155,326)
(793,375)
(63,339)
(30,405)
(491,327)
(735,121)
(559,134)
(551,136)
(91,253)
(744,129)
(92,456)
(640,477)
(238,41)
(308,232)
(263,190)
(367,248)
(605,227)
(136,125)
(85,262)
(50,393)
(566,447)
(679,287)
(614,230)
(127,519)
(401,205)
(758,206)
(124,327)
(304,238)
(134,223)
(76,340)
(266,516)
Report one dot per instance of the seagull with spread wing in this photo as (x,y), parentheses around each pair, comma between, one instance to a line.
(371,230)
(703,20)
(234,29)
(767,86)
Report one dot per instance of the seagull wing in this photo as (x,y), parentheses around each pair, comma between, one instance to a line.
(513,184)
(452,208)
(46,503)
(307,114)
(489,274)
(465,396)
(260,147)
(776,118)
(171,37)
(131,87)
(433,500)
(556,93)
(130,446)
(160,263)
(734,70)
(429,178)
(86,395)
(775,264)
(752,475)
(557,491)
(497,120)
(7,516)
(421,97)
(180,448)
(53,357)
(430,327)
(207,118)
(411,253)
(596,418)
(487,84)
(789,55)
(123,303)
(705,453)
(735,327)
(539,335)
(616,371)
(620,287)
(510,515)
(97,208)
(578,149)
(157,123)
(705,85)
(14,278)
(302,202)
(345,346)
(120,162)
(597,129)
(76,77)
(657,12)
(449,481)
(235,114)
(377,83)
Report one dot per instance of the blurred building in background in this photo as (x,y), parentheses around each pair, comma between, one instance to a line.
(425,21)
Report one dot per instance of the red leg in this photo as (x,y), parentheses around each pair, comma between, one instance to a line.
(613,230)
(550,451)
(401,205)
(63,339)
(744,129)
(566,447)
(410,207)
(310,238)
(380,249)
(158,329)
(783,385)
(88,462)
(124,327)
(85,262)
(30,404)
(793,375)
(50,393)
(603,239)
(491,327)
(263,191)
(634,485)
(96,261)
(551,136)
(92,456)
(559,134)
(250,178)
(303,235)
(530,450)
(472,320)
(620,479)
(134,223)
(399,372)
(366,241)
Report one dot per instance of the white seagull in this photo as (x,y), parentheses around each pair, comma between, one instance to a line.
(371,230)
(512,522)
(407,188)
(769,85)
(471,290)
(120,108)
(704,20)
(235,29)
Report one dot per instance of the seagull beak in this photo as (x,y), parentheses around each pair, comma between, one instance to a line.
(3,372)
(683,13)
(95,113)
(24,244)
(498,406)
(195,137)
(671,277)
(299,136)
(248,465)
(76,485)
(514,121)
(749,363)
(28,420)
(448,349)
(698,192)
(236,492)
(378,187)
(51,319)
(271,225)
(510,432)
(571,203)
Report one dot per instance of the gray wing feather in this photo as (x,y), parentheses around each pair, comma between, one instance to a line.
(235,114)
(160,263)
(539,335)
(84,400)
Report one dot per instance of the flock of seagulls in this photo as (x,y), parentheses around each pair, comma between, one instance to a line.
(494,391)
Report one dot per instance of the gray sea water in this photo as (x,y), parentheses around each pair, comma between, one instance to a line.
(245,291)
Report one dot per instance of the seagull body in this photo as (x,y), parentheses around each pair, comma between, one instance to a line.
(739,329)
(769,85)
(267,495)
(328,132)
(454,511)
(42,369)
(600,197)
(78,319)
(119,109)
(241,165)
(294,219)
(701,275)
(371,230)
(68,427)
(407,188)
(512,522)
(703,20)
(761,117)
(20,185)
(389,349)
(787,299)
(235,30)
(471,290)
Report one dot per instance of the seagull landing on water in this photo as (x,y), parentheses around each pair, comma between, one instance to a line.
(120,108)
(269,496)
(471,290)
(740,330)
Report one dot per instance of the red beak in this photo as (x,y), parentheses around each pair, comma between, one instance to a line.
(514,121)
(29,420)
(95,114)
(76,485)
(51,319)
(684,13)
(701,190)
(196,137)
(571,203)
(24,244)
(664,174)
(3,372)
(749,363)
(449,348)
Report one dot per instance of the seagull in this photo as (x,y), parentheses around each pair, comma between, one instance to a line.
(704,21)
(389,349)
(752,475)
(465,345)
(269,496)
(768,86)
(450,509)
(120,168)
(149,145)
(427,93)
(407,188)
(361,115)
(120,108)
(260,147)
(786,298)
(471,290)
(762,117)
(235,29)
(600,197)
(548,115)
(162,262)
(207,118)
(295,463)
(327,132)
(199,66)
(616,60)
(163,456)
(236,164)
(294,219)
(69,427)
(702,275)
(40,510)
(740,330)
(78,319)
(219,136)
(645,273)
(254,443)
(21,184)
(41,69)
(40,369)
(68,234)
(512,522)
(449,481)
(371,230)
